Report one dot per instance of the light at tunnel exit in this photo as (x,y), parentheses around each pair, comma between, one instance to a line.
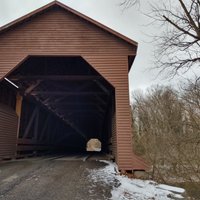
(93,145)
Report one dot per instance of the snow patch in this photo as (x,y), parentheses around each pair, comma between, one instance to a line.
(134,189)
(171,188)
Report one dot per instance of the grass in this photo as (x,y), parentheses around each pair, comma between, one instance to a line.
(192,189)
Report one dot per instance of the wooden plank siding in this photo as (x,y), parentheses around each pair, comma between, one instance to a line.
(8,132)
(57,32)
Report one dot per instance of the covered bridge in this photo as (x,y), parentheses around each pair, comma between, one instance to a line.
(64,80)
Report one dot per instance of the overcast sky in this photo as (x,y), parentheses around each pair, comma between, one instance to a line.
(130,22)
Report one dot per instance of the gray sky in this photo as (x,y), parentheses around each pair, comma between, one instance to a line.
(130,22)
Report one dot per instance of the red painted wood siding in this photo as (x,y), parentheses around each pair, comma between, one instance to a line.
(8,132)
(58,32)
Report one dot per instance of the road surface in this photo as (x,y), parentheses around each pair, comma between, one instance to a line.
(51,178)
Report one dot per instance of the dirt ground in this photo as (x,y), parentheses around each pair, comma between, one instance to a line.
(56,178)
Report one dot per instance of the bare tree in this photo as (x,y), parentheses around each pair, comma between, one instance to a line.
(179,43)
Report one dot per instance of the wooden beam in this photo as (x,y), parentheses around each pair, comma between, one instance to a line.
(30,123)
(58,99)
(53,131)
(44,127)
(84,103)
(101,109)
(22,141)
(66,93)
(47,100)
(19,100)
(35,134)
(61,85)
(102,100)
(53,100)
(66,121)
(84,86)
(56,78)
(63,101)
(32,87)
(76,129)
(80,111)
(34,147)
(102,87)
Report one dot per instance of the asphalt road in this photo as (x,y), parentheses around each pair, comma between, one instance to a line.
(51,178)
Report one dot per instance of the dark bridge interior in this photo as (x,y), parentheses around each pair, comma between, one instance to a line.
(65,103)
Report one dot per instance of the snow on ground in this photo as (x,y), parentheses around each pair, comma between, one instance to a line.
(133,189)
